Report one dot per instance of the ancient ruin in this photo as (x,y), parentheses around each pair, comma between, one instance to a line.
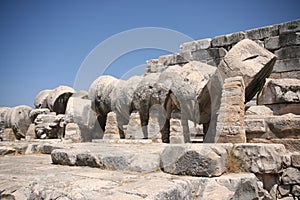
(220,119)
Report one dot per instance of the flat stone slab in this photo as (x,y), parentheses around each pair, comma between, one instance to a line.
(133,157)
(34,177)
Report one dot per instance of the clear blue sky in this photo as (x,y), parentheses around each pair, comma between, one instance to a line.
(43,43)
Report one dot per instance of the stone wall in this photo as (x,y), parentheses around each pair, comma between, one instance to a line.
(282,39)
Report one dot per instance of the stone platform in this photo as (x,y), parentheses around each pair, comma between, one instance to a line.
(141,169)
(34,177)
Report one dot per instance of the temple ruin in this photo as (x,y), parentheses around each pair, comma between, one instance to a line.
(220,119)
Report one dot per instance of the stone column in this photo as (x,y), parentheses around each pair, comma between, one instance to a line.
(230,121)
(111,127)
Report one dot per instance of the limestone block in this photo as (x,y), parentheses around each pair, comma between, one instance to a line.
(30,134)
(113,160)
(288,53)
(35,112)
(40,100)
(155,123)
(276,91)
(291,26)
(282,40)
(73,133)
(290,176)
(171,59)
(111,127)
(254,126)
(233,186)
(283,126)
(195,45)
(258,111)
(176,131)
(58,98)
(291,74)
(262,33)
(287,65)
(208,55)
(134,128)
(285,108)
(227,40)
(195,160)
(260,158)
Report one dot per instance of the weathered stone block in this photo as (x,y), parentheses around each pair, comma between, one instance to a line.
(291,74)
(284,126)
(208,54)
(30,134)
(288,53)
(260,158)
(254,126)
(73,133)
(195,45)
(111,127)
(295,158)
(228,39)
(287,65)
(35,112)
(292,26)
(285,108)
(258,111)
(261,33)
(49,126)
(195,160)
(231,186)
(277,91)
(283,40)
(155,123)
(134,128)
(290,176)
(171,59)
(176,132)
